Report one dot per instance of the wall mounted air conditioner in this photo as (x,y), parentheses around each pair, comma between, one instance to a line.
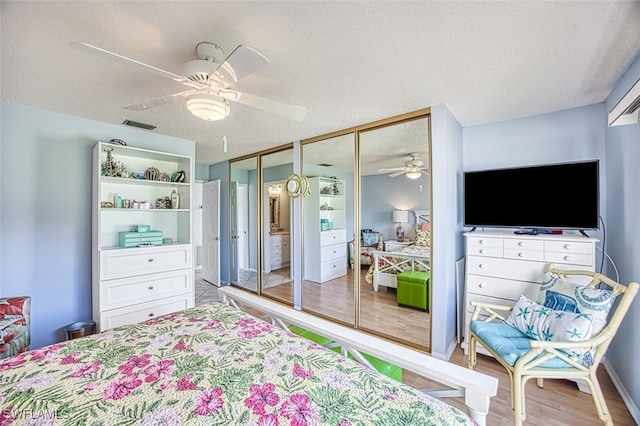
(627,110)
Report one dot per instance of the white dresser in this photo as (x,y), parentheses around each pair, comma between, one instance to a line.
(130,285)
(501,266)
(279,250)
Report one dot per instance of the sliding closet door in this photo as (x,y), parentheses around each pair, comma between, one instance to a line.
(328,228)
(394,184)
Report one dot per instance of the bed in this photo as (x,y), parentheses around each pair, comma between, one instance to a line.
(207,365)
(415,257)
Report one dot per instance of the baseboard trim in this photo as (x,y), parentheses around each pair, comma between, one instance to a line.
(626,398)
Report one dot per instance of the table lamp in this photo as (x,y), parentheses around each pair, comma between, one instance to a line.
(400,217)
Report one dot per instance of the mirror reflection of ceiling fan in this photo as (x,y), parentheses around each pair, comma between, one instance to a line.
(210,79)
(413,168)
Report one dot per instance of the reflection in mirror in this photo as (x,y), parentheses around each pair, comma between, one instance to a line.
(394,184)
(328,282)
(244,241)
(276,226)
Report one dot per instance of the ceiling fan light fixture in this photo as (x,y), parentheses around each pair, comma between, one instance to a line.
(413,175)
(207,106)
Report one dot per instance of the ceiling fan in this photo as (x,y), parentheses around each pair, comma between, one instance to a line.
(412,169)
(210,78)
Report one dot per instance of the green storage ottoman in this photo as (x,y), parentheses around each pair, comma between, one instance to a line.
(413,289)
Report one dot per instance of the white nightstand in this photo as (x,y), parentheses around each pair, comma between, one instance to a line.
(393,245)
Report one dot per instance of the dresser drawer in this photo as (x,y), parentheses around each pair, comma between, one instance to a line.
(479,241)
(523,244)
(524,254)
(137,313)
(146,288)
(576,247)
(502,288)
(486,299)
(581,260)
(140,261)
(336,251)
(521,270)
(333,269)
(332,237)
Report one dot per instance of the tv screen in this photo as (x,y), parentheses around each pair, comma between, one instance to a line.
(554,196)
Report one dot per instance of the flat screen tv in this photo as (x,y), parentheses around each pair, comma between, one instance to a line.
(544,197)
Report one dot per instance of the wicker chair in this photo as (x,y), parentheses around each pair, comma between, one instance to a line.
(526,357)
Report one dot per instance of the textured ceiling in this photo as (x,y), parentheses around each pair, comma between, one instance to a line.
(349,63)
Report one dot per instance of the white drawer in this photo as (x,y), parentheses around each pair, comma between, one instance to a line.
(568,247)
(521,270)
(129,291)
(140,261)
(336,251)
(487,299)
(333,269)
(502,288)
(569,258)
(275,245)
(144,311)
(485,251)
(480,241)
(510,243)
(332,237)
(523,254)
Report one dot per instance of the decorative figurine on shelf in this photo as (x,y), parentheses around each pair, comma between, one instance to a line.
(334,189)
(113,168)
(175,200)
(178,177)
(152,174)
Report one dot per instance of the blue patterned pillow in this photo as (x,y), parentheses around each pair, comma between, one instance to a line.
(542,323)
(558,293)
(370,239)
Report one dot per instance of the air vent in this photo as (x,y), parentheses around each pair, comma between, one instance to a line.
(325,165)
(628,109)
(137,124)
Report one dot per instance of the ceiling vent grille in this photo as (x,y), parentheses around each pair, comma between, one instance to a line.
(628,109)
(138,124)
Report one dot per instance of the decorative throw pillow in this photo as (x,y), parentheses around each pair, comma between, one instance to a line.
(370,239)
(542,323)
(425,226)
(562,294)
(423,238)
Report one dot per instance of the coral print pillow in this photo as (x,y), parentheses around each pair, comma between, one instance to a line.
(562,294)
(423,238)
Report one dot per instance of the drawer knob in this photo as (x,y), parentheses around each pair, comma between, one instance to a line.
(481,242)
(151,314)
(150,287)
(567,246)
(481,266)
(482,285)
(520,254)
(566,258)
(150,260)
(521,243)
(481,251)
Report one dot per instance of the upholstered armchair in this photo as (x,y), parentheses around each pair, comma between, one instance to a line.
(369,242)
(15,333)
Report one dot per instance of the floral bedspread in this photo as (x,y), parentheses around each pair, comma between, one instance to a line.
(209,365)
(400,263)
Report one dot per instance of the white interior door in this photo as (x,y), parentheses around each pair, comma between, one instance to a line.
(211,232)
(197,223)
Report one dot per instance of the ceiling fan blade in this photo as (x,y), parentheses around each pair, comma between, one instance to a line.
(85,47)
(239,64)
(294,112)
(398,173)
(391,169)
(163,100)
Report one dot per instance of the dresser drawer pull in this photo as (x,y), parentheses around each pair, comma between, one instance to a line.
(150,287)
(567,246)
(481,266)
(520,254)
(482,285)
(521,244)
(481,251)
(567,258)
(150,260)
(151,314)
(481,242)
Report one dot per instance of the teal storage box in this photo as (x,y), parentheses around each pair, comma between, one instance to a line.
(135,239)
(413,289)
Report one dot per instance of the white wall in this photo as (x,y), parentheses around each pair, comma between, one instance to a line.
(623,239)
(45,198)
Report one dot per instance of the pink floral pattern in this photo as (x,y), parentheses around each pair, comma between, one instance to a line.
(207,365)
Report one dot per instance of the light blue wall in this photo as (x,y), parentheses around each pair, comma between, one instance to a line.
(45,199)
(623,235)
(380,195)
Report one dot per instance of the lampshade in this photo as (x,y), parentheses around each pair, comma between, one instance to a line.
(400,216)
(413,175)
(207,106)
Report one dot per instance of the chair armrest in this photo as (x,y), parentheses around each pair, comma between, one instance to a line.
(11,307)
(490,309)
